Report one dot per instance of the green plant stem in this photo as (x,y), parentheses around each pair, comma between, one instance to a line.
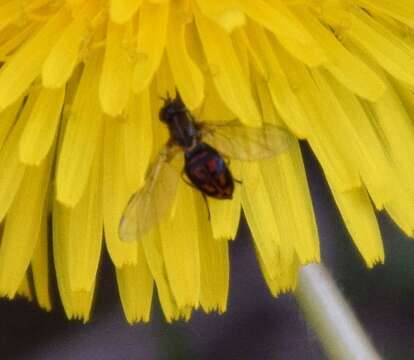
(330,316)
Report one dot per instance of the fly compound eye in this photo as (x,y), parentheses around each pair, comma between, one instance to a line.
(167,112)
(162,114)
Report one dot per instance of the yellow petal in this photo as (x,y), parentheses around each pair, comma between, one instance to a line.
(127,150)
(122,10)
(259,204)
(277,18)
(114,85)
(285,281)
(397,136)
(137,137)
(77,304)
(10,11)
(24,289)
(13,170)
(84,227)
(40,266)
(187,75)
(225,214)
(40,130)
(155,260)
(64,55)
(296,207)
(15,40)
(214,264)
(283,97)
(228,76)
(363,228)
(330,148)
(401,10)
(371,157)
(401,205)
(213,110)
(347,68)
(163,86)
(224,12)
(8,118)
(116,194)
(18,73)
(180,247)
(391,52)
(19,242)
(82,132)
(135,285)
(150,43)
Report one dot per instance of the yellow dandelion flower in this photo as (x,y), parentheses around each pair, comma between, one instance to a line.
(80,88)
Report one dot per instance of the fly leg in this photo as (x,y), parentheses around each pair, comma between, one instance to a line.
(208,208)
(184,178)
(227,161)
(237,181)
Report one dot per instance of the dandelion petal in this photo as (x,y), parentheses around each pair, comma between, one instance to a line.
(114,85)
(77,304)
(262,218)
(116,194)
(40,130)
(180,247)
(40,267)
(187,75)
(122,10)
(347,68)
(277,18)
(155,260)
(150,43)
(27,208)
(214,264)
(82,132)
(64,55)
(18,73)
(390,51)
(135,285)
(13,170)
(84,224)
(225,215)
(364,227)
(228,76)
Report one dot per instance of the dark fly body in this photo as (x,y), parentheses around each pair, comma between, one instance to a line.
(205,146)
(204,166)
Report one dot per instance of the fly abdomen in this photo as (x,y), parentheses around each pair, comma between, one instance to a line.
(207,170)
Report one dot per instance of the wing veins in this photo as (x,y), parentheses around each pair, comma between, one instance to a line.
(240,142)
(147,207)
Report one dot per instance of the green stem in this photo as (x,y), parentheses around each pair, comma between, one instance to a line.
(330,316)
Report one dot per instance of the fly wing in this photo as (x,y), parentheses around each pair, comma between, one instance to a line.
(147,207)
(247,143)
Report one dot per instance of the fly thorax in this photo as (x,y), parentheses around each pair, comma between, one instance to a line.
(183,131)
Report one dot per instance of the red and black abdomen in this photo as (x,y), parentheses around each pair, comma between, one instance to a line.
(207,170)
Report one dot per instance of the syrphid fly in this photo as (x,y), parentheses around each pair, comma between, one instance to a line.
(205,148)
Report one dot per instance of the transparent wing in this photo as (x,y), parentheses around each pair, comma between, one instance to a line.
(147,207)
(241,142)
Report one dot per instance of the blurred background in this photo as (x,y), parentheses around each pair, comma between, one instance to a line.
(256,325)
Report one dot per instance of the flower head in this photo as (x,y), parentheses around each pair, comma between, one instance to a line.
(80,89)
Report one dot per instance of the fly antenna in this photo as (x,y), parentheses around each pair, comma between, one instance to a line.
(178,97)
(167,98)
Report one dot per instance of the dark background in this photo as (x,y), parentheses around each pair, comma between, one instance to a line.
(256,326)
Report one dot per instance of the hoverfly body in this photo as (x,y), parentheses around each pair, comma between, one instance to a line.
(205,148)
